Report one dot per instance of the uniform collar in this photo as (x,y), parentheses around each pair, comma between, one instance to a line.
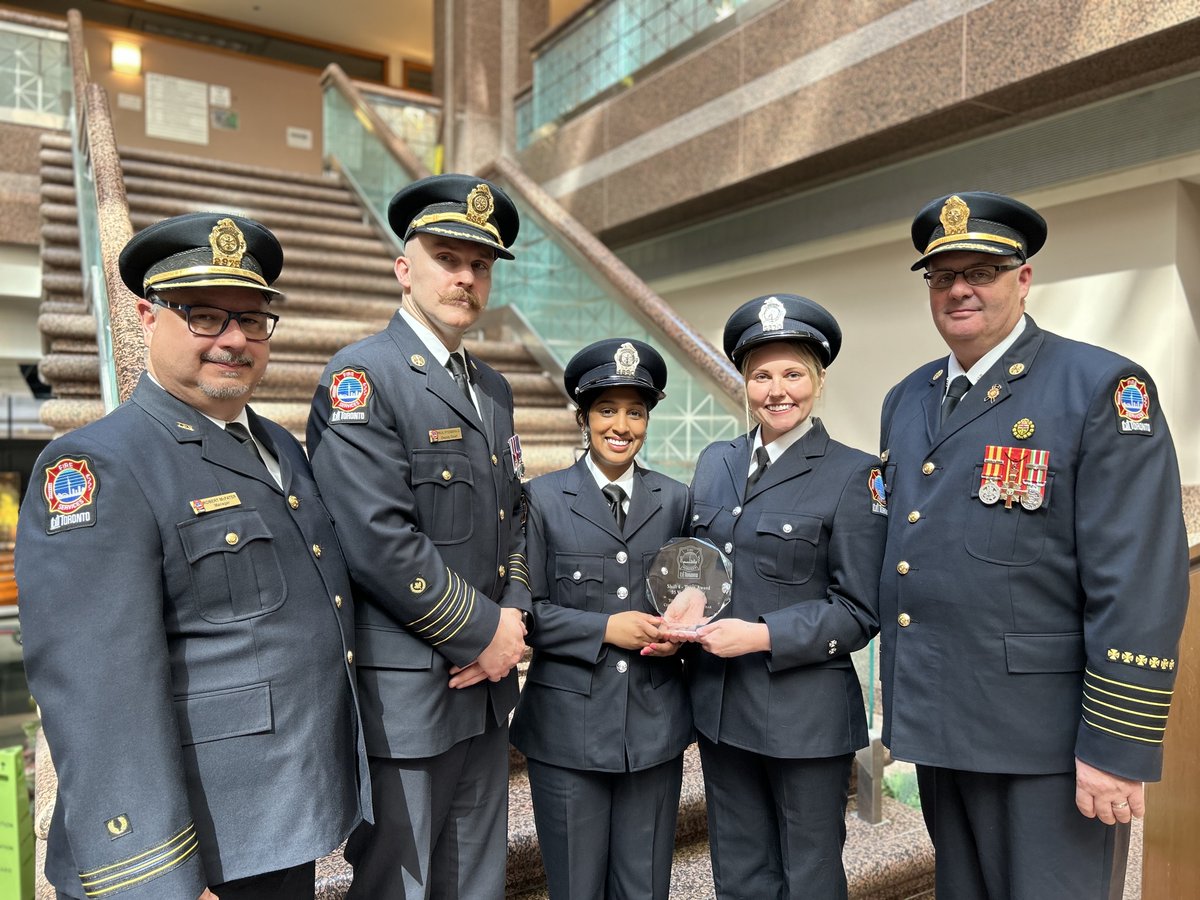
(437,350)
(781,444)
(954,367)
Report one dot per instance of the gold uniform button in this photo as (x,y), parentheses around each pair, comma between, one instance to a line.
(914,516)
(349,657)
(903,567)
(903,620)
(446,475)
(501,571)
(495,461)
(293,501)
(337,600)
(928,468)
(501,515)
(231,538)
(317,550)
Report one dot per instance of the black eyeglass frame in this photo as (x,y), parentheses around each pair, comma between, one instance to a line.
(186,308)
(996,270)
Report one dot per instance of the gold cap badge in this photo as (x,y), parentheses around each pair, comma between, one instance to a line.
(480,205)
(627,360)
(955,215)
(417,359)
(1016,368)
(771,314)
(228,244)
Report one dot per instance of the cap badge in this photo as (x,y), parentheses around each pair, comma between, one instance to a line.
(480,205)
(1023,429)
(771,314)
(228,244)
(1016,368)
(955,215)
(627,360)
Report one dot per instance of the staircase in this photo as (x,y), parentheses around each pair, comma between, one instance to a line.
(337,279)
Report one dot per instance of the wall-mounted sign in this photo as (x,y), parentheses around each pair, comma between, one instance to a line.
(176,109)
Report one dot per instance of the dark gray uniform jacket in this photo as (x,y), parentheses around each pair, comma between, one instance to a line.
(587,704)
(805,544)
(427,504)
(1015,640)
(191,667)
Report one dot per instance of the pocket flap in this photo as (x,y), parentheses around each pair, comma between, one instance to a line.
(561,673)
(222,533)
(703,515)
(230,712)
(791,526)
(443,467)
(575,568)
(390,648)
(1032,653)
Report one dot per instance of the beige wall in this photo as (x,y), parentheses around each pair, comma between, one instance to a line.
(1119,270)
(267,97)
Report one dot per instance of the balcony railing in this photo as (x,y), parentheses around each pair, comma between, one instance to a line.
(35,73)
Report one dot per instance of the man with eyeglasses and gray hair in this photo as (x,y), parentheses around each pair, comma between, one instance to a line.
(1034,582)
(185,607)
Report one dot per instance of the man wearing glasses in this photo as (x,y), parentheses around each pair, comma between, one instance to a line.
(1035,578)
(186,609)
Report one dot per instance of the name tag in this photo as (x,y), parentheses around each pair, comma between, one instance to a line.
(212,504)
(444,434)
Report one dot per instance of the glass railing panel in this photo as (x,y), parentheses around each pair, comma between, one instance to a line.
(416,124)
(568,309)
(523,113)
(362,156)
(35,76)
(610,44)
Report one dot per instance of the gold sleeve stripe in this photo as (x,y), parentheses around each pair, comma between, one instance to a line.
(1136,725)
(1127,711)
(1126,684)
(447,609)
(1091,687)
(1132,737)
(159,860)
(516,577)
(453,611)
(466,617)
(436,606)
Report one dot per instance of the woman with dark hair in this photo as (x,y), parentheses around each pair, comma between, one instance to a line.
(777,704)
(604,718)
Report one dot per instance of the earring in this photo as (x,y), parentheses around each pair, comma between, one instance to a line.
(586,438)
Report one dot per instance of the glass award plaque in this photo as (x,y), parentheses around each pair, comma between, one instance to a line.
(689,583)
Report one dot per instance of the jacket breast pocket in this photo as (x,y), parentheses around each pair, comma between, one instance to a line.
(390,648)
(1006,536)
(786,546)
(235,567)
(579,580)
(443,486)
(561,674)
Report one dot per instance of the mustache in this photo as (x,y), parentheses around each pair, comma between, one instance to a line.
(461,294)
(228,358)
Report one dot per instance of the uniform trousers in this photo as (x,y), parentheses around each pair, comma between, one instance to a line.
(776,827)
(1018,837)
(296,883)
(441,825)
(606,835)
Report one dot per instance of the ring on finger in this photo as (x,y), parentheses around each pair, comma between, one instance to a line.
(1122,805)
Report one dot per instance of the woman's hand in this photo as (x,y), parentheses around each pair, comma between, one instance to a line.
(734,637)
(631,630)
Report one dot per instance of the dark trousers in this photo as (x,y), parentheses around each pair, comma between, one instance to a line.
(776,827)
(296,883)
(441,825)
(606,835)
(1018,837)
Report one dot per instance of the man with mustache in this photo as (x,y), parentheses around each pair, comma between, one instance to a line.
(172,557)
(413,445)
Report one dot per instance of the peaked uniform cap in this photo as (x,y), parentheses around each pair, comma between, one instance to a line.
(782,317)
(978,221)
(456,206)
(202,249)
(615,362)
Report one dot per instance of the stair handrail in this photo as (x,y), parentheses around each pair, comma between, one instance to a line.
(97,168)
(335,76)
(710,362)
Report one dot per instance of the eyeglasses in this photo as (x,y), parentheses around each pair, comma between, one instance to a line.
(211,321)
(941,279)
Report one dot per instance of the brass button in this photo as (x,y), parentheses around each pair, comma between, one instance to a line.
(914,516)
(293,501)
(501,515)
(501,570)
(902,567)
(495,461)
(317,550)
(903,620)
(350,657)
(928,468)
(622,557)
(337,600)
(447,475)
(231,538)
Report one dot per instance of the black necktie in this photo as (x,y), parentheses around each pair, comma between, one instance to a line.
(458,370)
(242,433)
(959,386)
(616,503)
(764,460)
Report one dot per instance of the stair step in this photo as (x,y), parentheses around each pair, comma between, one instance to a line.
(204,197)
(172,172)
(259,174)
